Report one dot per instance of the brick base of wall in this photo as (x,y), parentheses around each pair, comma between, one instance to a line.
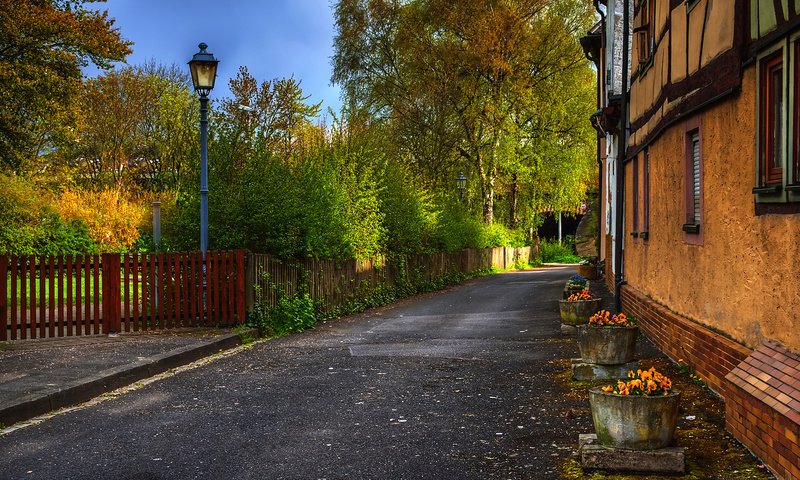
(769,427)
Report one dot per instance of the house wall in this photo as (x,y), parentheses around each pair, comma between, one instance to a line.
(723,301)
(722,304)
(743,281)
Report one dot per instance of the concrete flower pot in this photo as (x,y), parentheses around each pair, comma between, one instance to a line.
(634,422)
(607,345)
(588,272)
(578,312)
(577,289)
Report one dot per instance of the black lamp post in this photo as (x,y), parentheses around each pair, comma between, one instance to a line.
(461,183)
(203,67)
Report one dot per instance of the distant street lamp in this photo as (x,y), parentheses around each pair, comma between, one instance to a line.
(203,67)
(461,183)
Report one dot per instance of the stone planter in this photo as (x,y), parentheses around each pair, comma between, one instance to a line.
(569,291)
(578,312)
(607,345)
(634,422)
(588,272)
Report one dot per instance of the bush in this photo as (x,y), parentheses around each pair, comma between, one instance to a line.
(111,217)
(554,252)
(291,315)
(30,226)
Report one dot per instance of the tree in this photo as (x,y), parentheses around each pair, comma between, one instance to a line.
(136,124)
(267,118)
(43,44)
(470,76)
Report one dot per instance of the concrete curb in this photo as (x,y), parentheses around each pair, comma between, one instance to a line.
(114,378)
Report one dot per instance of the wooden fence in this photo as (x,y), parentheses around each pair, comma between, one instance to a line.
(58,296)
(334,283)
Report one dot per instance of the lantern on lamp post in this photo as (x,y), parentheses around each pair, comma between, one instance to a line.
(461,183)
(203,67)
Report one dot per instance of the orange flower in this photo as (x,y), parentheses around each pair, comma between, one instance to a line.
(582,295)
(642,383)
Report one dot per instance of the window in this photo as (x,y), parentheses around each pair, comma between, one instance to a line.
(645,233)
(644,31)
(777,182)
(795,182)
(640,195)
(693,183)
(635,197)
(771,127)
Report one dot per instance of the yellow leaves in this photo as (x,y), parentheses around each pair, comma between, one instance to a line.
(112,218)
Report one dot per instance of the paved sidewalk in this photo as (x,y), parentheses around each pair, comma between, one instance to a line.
(38,376)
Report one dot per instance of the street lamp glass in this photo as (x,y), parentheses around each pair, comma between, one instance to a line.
(203,67)
(461,181)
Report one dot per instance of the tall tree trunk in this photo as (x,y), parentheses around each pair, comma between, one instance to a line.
(488,206)
(512,202)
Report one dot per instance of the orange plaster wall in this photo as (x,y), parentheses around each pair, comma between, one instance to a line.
(744,281)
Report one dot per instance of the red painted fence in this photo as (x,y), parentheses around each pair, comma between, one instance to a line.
(59,296)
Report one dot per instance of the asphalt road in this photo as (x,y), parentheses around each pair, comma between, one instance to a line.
(459,384)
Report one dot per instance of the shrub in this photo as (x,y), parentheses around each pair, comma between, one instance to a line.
(30,226)
(291,315)
(111,218)
(554,252)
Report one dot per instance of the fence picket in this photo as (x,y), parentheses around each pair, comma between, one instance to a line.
(87,294)
(32,304)
(14,276)
(97,290)
(60,318)
(136,275)
(42,274)
(4,298)
(51,301)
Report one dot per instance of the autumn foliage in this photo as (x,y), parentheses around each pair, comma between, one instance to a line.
(111,217)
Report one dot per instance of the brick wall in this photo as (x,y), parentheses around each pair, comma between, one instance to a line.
(762,407)
(711,354)
(761,388)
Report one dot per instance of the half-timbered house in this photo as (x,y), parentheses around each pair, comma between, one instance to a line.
(709,200)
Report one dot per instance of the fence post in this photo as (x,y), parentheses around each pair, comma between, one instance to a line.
(111,293)
(242,289)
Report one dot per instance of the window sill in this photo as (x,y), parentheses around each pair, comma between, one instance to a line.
(691,227)
(793,187)
(767,190)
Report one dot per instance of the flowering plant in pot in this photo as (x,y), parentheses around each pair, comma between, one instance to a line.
(608,339)
(588,268)
(575,284)
(637,413)
(578,306)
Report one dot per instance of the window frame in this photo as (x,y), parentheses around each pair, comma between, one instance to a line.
(645,34)
(645,233)
(793,159)
(693,225)
(770,176)
(635,197)
(772,195)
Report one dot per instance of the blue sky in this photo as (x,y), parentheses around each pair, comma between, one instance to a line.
(273,38)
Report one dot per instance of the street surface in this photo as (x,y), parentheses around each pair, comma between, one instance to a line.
(459,384)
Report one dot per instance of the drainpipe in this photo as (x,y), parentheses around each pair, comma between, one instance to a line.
(600,196)
(619,203)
